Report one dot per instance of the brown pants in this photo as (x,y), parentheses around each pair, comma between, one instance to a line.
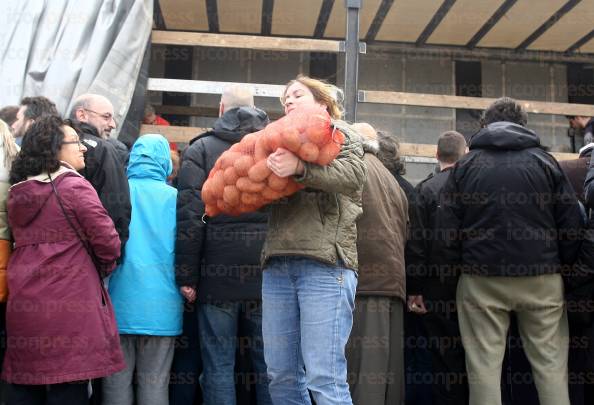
(484,305)
(375,358)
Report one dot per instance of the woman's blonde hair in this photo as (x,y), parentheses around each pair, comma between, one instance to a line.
(323,92)
(8,144)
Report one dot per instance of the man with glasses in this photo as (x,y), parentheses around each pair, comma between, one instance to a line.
(104,169)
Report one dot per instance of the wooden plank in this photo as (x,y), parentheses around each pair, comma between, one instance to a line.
(207,87)
(472,103)
(186,134)
(418,149)
(202,111)
(173,133)
(245,41)
(429,151)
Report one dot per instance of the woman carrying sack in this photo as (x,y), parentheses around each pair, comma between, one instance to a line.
(310,263)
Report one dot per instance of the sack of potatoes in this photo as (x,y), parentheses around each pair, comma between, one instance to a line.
(241,182)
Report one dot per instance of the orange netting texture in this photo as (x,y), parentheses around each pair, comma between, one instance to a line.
(241,181)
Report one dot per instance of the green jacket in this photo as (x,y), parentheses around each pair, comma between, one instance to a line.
(320,221)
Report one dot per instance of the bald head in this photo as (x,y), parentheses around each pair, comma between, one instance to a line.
(236,96)
(95,110)
(365,130)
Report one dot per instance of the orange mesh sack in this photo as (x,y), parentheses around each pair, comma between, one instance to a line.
(240,180)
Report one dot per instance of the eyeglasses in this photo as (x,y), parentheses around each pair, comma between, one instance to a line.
(79,143)
(105,116)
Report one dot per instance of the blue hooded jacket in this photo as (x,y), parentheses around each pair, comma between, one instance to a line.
(143,289)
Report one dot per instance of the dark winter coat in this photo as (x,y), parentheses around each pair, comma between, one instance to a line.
(59,319)
(381,233)
(579,290)
(222,256)
(106,173)
(121,149)
(413,256)
(515,210)
(433,270)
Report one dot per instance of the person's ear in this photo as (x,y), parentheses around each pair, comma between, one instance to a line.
(80,115)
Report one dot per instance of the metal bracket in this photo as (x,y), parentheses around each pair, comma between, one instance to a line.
(361,96)
(362,47)
(352,3)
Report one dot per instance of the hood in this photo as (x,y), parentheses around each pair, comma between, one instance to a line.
(237,122)
(150,158)
(27,198)
(505,136)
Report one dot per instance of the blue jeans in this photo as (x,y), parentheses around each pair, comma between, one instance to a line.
(307,318)
(187,364)
(218,332)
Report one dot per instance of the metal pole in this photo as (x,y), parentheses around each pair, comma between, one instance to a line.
(351,63)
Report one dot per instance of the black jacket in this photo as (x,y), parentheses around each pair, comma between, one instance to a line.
(432,267)
(106,173)
(512,207)
(122,149)
(222,256)
(413,256)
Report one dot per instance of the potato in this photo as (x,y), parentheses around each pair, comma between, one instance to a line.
(273,140)
(212,210)
(259,172)
(218,184)
(228,158)
(207,194)
(338,137)
(231,195)
(230,176)
(252,199)
(245,208)
(245,185)
(277,183)
(221,205)
(292,187)
(309,152)
(317,134)
(328,153)
(248,143)
(261,150)
(270,194)
(243,164)
(291,139)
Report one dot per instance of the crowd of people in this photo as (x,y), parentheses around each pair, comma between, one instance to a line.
(357,289)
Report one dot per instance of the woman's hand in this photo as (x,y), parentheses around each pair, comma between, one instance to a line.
(284,163)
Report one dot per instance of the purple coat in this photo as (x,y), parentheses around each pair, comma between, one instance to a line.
(60,321)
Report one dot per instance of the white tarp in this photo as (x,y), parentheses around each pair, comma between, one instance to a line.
(63,48)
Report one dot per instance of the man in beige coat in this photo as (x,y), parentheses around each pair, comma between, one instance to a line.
(375,349)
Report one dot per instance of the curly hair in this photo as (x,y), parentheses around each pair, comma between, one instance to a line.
(40,148)
(38,107)
(389,153)
(505,109)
